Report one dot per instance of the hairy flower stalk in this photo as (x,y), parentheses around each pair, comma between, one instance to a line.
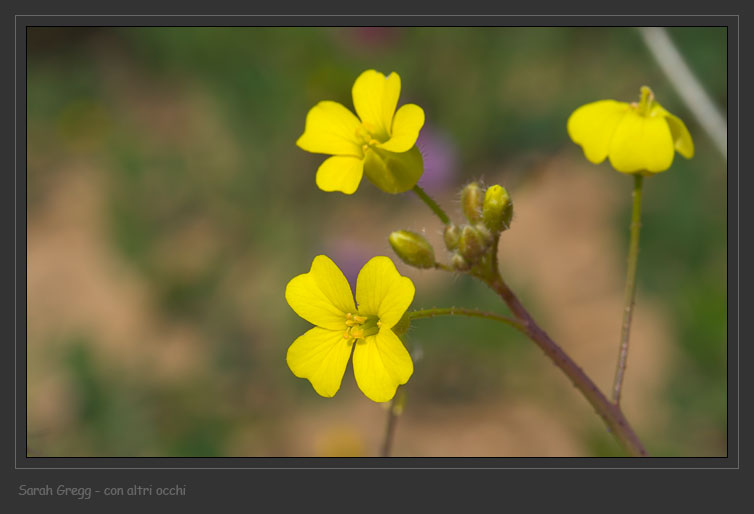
(630,293)
(610,413)
(485,267)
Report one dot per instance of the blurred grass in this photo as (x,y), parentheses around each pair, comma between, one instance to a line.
(207,199)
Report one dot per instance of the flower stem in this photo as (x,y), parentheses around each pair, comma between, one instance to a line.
(456,311)
(432,204)
(394,410)
(608,411)
(630,293)
(489,272)
(444,267)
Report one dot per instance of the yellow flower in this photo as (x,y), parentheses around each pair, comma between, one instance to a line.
(637,137)
(323,298)
(379,143)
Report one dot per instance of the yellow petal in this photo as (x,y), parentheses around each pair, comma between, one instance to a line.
(331,129)
(340,173)
(380,364)
(641,144)
(407,123)
(320,356)
(678,131)
(322,297)
(592,126)
(375,98)
(382,291)
(681,137)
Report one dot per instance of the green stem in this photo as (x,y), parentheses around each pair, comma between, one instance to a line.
(444,267)
(457,311)
(432,204)
(630,293)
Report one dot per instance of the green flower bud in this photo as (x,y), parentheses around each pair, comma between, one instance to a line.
(459,263)
(472,198)
(451,235)
(472,244)
(497,210)
(393,172)
(413,249)
(485,234)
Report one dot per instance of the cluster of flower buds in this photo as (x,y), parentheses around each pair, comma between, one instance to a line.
(489,213)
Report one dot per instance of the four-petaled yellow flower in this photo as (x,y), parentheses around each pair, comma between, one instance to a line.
(323,297)
(637,137)
(379,143)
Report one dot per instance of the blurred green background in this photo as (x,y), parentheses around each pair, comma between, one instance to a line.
(168,206)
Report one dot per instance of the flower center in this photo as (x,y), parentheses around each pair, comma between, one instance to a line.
(360,327)
(370,135)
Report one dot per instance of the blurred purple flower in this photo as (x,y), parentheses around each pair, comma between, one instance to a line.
(349,257)
(440,158)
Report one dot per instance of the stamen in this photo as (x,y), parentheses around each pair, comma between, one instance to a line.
(645,102)
(360,327)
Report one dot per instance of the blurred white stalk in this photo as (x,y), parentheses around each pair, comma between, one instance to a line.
(686,84)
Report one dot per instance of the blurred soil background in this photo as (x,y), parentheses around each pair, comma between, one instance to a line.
(168,206)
